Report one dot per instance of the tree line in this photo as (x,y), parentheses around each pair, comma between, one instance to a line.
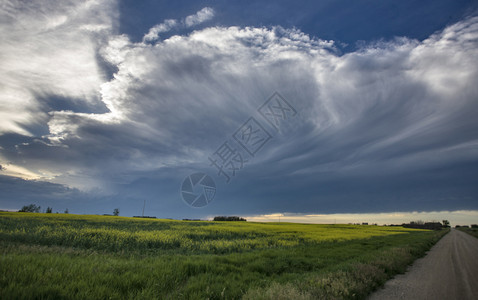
(230,218)
(33,208)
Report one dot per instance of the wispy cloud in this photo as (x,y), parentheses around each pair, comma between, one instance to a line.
(201,16)
(154,32)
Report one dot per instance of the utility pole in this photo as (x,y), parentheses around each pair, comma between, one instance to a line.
(144,204)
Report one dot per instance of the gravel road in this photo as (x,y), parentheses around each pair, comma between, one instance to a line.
(448,271)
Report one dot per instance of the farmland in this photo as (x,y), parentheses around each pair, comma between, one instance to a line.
(96,257)
(471,231)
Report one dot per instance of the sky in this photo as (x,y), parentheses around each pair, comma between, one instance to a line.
(312,110)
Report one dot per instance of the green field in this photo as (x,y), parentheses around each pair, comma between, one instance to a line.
(470,231)
(60,256)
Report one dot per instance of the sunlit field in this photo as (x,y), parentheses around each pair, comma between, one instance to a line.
(96,257)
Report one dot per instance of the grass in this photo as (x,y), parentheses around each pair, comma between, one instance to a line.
(56,256)
(470,231)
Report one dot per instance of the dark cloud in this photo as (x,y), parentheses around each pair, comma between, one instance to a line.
(17,192)
(388,127)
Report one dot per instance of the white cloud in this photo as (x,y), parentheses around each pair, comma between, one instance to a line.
(21,172)
(154,32)
(201,16)
(49,50)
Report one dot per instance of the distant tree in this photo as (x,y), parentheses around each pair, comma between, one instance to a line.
(446,223)
(418,222)
(48,210)
(30,208)
(474,226)
(116,212)
(231,218)
(66,211)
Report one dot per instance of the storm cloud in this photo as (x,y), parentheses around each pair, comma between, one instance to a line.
(390,126)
